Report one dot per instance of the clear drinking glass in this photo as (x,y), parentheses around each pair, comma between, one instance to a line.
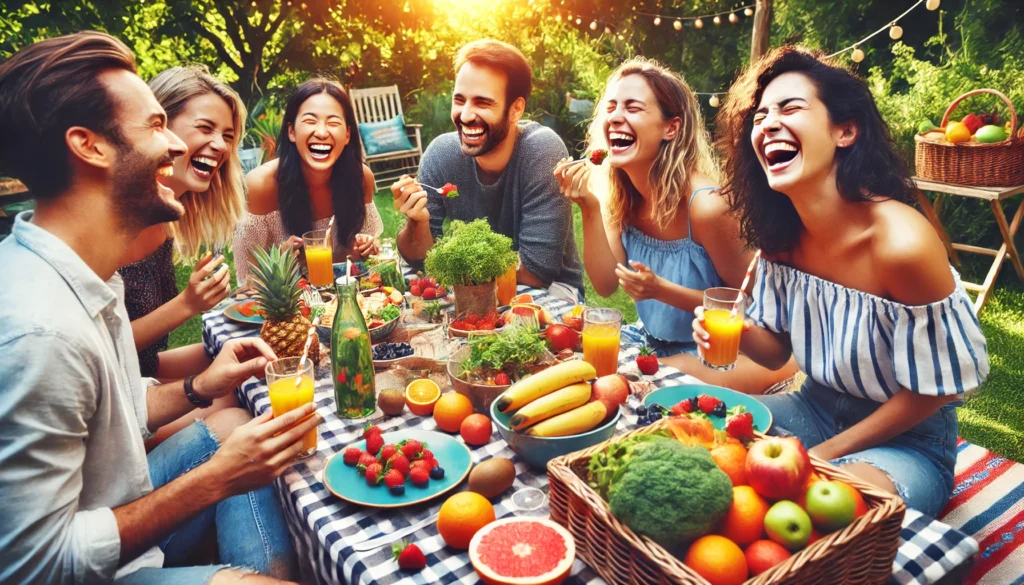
(319,258)
(601,333)
(291,387)
(723,327)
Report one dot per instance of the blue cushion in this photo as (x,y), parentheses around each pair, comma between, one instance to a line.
(386,136)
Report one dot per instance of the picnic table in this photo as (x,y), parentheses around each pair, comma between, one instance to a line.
(325,528)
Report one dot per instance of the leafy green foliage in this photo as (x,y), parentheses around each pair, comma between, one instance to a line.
(514,345)
(470,254)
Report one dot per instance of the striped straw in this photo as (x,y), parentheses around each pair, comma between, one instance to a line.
(327,234)
(746,281)
(305,350)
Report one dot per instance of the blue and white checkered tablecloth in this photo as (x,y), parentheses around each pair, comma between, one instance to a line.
(325,528)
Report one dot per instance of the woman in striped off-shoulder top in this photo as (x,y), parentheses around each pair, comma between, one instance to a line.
(854,282)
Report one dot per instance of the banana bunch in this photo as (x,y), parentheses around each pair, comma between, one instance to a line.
(554,402)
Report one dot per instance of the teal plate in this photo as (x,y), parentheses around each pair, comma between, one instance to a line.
(231,312)
(348,484)
(670,395)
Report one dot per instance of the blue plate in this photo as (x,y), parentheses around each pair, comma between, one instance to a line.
(670,395)
(231,312)
(348,484)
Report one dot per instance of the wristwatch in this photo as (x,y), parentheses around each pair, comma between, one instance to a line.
(190,393)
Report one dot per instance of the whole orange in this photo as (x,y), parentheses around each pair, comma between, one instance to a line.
(461,516)
(476,429)
(763,555)
(450,410)
(717,559)
(745,521)
(858,499)
(732,459)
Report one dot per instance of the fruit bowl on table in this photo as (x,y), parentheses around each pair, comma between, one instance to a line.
(537,451)
(454,331)
(669,396)
(384,363)
(481,395)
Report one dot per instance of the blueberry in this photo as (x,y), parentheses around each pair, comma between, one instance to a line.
(437,473)
(643,421)
(719,409)
(397,490)
(641,410)
(654,416)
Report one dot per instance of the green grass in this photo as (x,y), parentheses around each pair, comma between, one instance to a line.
(992,418)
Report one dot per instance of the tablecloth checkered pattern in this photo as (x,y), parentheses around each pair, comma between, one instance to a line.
(325,528)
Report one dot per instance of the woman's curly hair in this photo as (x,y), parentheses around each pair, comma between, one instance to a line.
(865,170)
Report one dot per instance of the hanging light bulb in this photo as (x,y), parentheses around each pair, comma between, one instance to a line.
(698,23)
(932,4)
(714,101)
(857,55)
(579,20)
(558,18)
(607,30)
(895,31)
(748,11)
(733,18)
(717,20)
(657,21)
(593,25)
(621,37)
(678,24)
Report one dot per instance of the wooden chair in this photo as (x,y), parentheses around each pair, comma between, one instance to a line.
(378,104)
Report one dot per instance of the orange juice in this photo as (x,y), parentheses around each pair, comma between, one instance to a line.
(286,396)
(320,263)
(725,330)
(507,286)
(601,348)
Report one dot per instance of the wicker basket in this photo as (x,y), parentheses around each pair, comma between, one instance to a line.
(998,164)
(863,552)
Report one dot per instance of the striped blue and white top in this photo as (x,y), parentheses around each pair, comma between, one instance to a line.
(867,346)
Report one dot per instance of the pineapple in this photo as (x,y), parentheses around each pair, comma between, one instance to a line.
(275,277)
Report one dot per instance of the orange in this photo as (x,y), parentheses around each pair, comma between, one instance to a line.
(765,554)
(957,132)
(421,395)
(732,459)
(461,516)
(450,410)
(476,429)
(745,521)
(858,499)
(717,559)
(520,299)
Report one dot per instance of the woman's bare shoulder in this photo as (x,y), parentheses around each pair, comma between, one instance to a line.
(261,185)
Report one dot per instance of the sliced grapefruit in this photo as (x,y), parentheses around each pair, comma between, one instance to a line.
(522,551)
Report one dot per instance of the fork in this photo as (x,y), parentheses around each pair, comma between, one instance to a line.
(312,298)
(439,190)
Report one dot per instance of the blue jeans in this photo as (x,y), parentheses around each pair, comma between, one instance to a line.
(919,462)
(635,334)
(252,533)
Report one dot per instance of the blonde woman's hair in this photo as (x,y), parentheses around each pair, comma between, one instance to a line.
(210,217)
(689,152)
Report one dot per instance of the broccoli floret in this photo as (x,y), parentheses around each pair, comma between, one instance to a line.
(671,493)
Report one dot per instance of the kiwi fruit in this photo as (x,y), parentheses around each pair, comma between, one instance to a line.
(391,401)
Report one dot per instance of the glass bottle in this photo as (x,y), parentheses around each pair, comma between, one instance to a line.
(351,357)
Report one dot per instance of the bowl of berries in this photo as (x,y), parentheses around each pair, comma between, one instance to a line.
(471,322)
(426,288)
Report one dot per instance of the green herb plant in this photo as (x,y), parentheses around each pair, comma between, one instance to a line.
(514,345)
(470,254)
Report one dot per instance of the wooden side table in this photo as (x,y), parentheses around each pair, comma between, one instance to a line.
(994,195)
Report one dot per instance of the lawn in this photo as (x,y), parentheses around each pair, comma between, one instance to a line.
(993,417)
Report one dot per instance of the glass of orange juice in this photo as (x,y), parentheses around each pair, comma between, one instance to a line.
(601,329)
(319,258)
(286,395)
(507,285)
(723,327)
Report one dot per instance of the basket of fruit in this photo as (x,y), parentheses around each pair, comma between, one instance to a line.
(656,506)
(977,150)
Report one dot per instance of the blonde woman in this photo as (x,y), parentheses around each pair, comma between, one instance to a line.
(662,231)
(210,118)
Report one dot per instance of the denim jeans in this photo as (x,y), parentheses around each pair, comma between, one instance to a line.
(919,462)
(635,334)
(251,530)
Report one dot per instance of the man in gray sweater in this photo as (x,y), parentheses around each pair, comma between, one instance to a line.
(502,168)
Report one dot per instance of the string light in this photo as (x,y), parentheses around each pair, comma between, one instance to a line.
(714,101)
(678,24)
(579,20)
(607,30)
(593,25)
(717,20)
(895,32)
(558,18)
(657,21)
(733,18)
(857,55)
(698,20)
(932,5)
(698,23)
(748,11)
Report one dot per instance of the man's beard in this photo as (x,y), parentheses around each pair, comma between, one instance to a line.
(136,195)
(494,135)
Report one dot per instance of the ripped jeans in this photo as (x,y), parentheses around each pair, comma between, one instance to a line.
(252,534)
(919,462)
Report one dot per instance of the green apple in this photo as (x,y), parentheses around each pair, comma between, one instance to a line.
(925,126)
(830,506)
(787,524)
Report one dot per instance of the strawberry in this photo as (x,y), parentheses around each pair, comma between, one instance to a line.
(419,476)
(429,282)
(449,190)
(420,464)
(707,404)
(387,452)
(373,473)
(365,460)
(502,379)
(374,443)
(429,294)
(411,448)
(369,429)
(399,462)
(409,556)
(393,477)
(740,424)
(305,311)
(684,406)
(416,290)
(426,454)
(353,455)
(647,361)
(303,283)
(247,309)
(597,156)
(441,291)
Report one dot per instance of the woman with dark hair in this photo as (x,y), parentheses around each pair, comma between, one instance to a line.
(318,174)
(854,281)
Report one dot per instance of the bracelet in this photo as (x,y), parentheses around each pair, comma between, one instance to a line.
(190,393)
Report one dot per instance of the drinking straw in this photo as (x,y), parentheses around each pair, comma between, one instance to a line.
(327,234)
(305,350)
(743,287)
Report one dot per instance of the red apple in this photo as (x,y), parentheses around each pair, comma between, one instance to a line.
(777,467)
(612,389)
(763,555)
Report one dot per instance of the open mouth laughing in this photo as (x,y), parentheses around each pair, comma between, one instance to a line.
(779,154)
(320,151)
(165,170)
(472,134)
(620,142)
(203,166)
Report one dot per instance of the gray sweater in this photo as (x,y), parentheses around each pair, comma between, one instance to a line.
(524,204)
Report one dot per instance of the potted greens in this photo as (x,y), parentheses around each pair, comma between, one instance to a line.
(468,260)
